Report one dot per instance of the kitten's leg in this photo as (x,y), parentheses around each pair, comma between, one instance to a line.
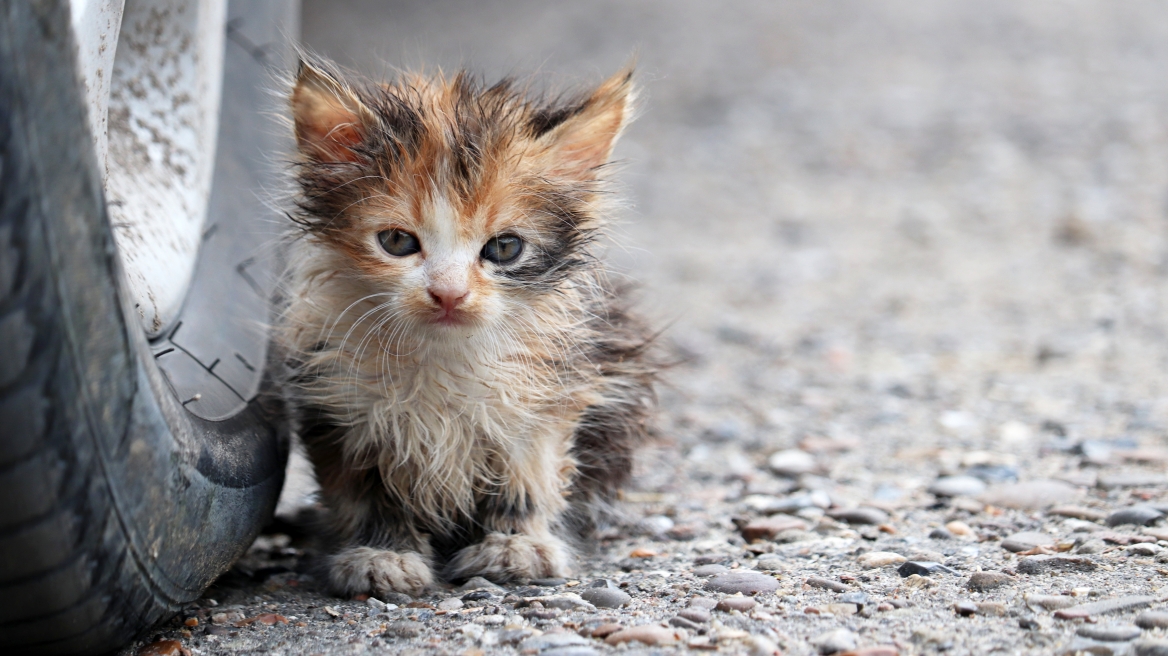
(502,557)
(358,570)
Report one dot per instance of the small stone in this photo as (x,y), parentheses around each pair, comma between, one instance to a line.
(1158,533)
(1150,648)
(162,648)
(918,581)
(1104,607)
(1109,632)
(641,552)
(1142,549)
(270,619)
(1140,515)
(649,634)
(940,534)
(922,568)
(760,646)
(377,604)
(965,608)
(1152,619)
(450,603)
(827,584)
(705,603)
(1043,564)
(1137,478)
(959,528)
(405,629)
(984,581)
(479,583)
(1031,495)
(792,463)
(770,563)
(605,597)
(835,641)
(864,515)
(1091,547)
(840,610)
(1027,540)
(605,583)
(740,604)
(574,650)
(1078,512)
(768,528)
(566,601)
(479,595)
(490,620)
(549,583)
(991,608)
(683,623)
(957,486)
(874,559)
(542,643)
(993,473)
(699,615)
(605,630)
(1049,602)
(654,525)
(857,598)
(878,650)
(706,571)
(748,583)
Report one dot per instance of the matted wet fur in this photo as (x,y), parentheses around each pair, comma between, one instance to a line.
(470,388)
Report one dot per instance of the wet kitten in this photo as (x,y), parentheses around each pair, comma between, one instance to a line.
(470,387)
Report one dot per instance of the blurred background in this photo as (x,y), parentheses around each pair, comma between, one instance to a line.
(936,226)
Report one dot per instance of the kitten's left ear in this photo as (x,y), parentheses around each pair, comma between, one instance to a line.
(330,119)
(583,139)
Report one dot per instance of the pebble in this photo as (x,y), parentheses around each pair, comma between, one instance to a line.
(983,581)
(606,629)
(965,608)
(748,583)
(874,559)
(827,584)
(651,525)
(1089,547)
(1031,495)
(705,603)
(863,515)
(959,528)
(566,601)
(940,534)
(770,563)
(551,641)
(1109,632)
(699,615)
(1150,648)
(768,528)
(706,571)
(760,646)
(1116,479)
(957,486)
(162,648)
(1027,540)
(740,604)
(605,597)
(922,568)
(1049,602)
(1152,619)
(490,620)
(1140,515)
(649,634)
(857,598)
(228,617)
(878,650)
(450,603)
(683,623)
(1142,549)
(993,473)
(479,583)
(792,463)
(1104,607)
(550,583)
(833,642)
(405,629)
(1044,564)
(1078,512)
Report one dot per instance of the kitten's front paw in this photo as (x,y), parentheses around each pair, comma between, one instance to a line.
(359,570)
(500,557)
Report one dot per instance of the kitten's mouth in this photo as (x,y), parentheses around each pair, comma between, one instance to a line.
(449,318)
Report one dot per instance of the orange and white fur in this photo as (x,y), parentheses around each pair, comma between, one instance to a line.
(469,387)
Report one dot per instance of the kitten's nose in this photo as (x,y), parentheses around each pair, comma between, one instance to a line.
(448,297)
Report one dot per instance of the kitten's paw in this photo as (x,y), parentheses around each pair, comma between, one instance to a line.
(359,570)
(500,557)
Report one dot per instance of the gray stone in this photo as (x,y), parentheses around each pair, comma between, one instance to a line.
(1031,495)
(479,583)
(1150,648)
(1152,619)
(405,629)
(983,581)
(1104,607)
(549,583)
(653,525)
(835,641)
(1109,632)
(1142,549)
(1118,479)
(748,583)
(965,608)
(1027,540)
(1045,564)
(552,640)
(705,603)
(1049,602)
(770,563)
(574,650)
(1081,645)
(1091,547)
(706,571)
(740,604)
(957,486)
(699,615)
(684,623)
(857,598)
(922,568)
(566,601)
(792,462)
(1139,515)
(864,515)
(1078,512)
(827,584)
(605,597)
(993,473)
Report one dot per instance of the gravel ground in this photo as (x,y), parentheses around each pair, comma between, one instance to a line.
(913,260)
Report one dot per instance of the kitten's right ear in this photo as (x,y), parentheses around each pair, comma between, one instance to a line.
(330,120)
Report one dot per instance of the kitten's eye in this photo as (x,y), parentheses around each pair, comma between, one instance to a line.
(503,249)
(398,243)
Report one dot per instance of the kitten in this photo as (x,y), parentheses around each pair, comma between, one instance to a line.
(470,387)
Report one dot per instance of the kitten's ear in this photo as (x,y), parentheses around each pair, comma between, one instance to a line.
(330,120)
(584,137)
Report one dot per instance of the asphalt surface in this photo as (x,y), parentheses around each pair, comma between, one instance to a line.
(890,242)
